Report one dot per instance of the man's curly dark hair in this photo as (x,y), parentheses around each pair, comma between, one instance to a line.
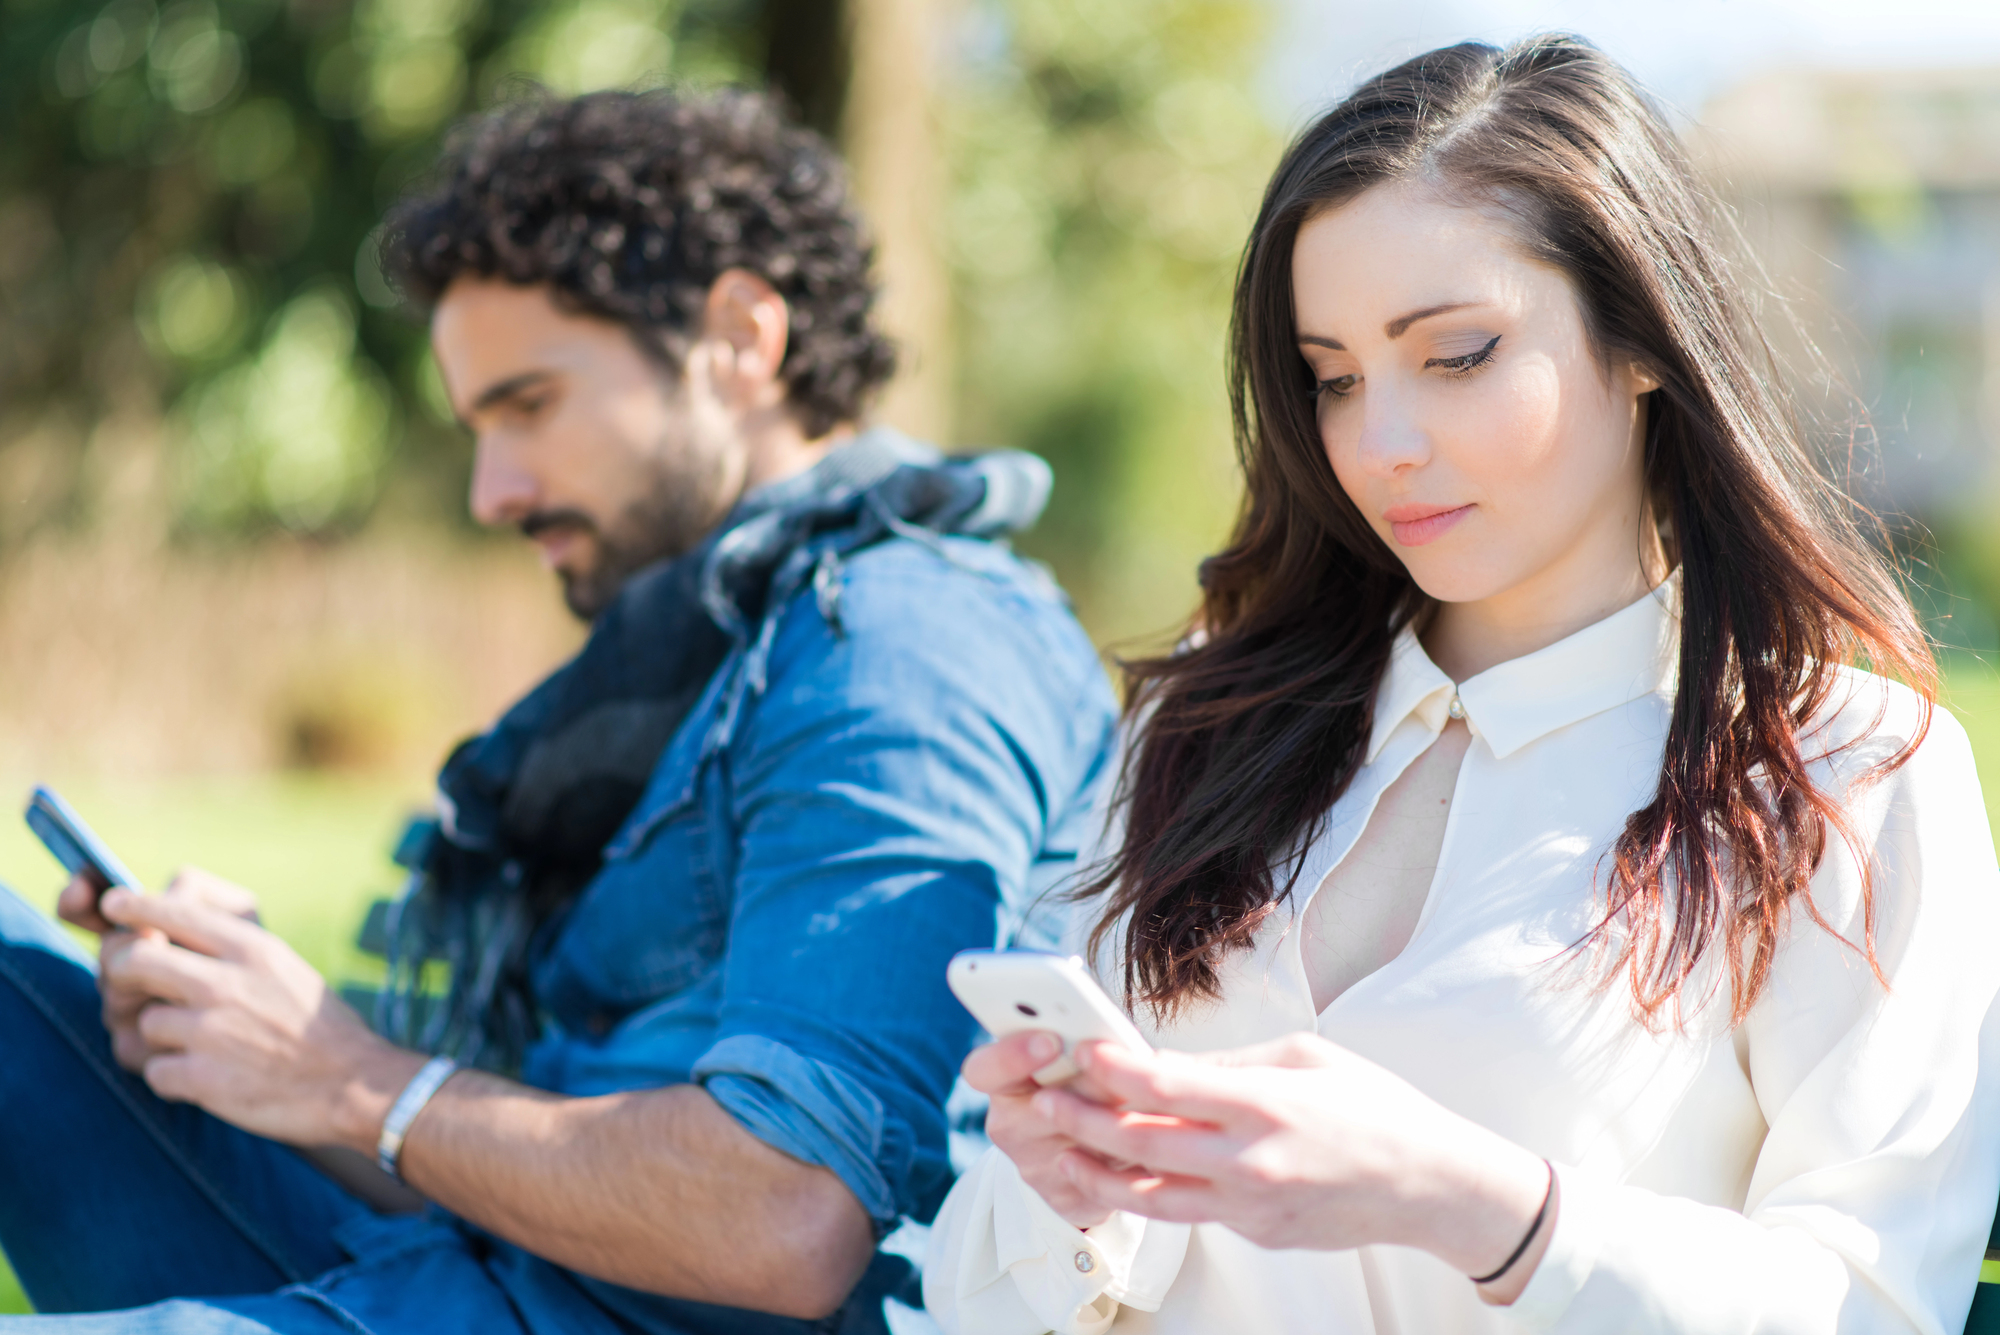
(630,205)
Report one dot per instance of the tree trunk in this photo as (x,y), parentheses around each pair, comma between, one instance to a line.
(891,133)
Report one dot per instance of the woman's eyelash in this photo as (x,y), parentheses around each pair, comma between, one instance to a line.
(1468,361)
(1341,386)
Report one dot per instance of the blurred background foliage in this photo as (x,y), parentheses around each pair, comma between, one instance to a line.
(203,370)
(213,410)
(189,197)
(1108,158)
(189,194)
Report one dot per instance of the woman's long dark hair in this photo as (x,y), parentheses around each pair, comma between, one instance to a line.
(1246,737)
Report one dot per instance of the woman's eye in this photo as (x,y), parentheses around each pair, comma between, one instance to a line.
(1339,387)
(1468,361)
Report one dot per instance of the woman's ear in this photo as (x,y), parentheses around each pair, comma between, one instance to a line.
(1644,381)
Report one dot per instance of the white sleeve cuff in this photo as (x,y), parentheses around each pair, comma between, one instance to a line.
(1002,1262)
(1571,1255)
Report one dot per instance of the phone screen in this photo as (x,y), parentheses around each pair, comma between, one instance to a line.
(74,843)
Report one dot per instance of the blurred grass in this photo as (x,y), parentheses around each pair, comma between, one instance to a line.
(1972,691)
(316,848)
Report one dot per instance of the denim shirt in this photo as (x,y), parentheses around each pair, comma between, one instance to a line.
(868,786)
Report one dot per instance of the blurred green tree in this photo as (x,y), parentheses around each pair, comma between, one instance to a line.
(196,338)
(189,191)
(1107,159)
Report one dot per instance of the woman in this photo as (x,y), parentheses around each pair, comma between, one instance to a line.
(1564,919)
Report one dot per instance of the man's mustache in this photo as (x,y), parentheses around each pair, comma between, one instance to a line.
(543,521)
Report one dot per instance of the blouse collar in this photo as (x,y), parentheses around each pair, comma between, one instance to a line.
(1631,653)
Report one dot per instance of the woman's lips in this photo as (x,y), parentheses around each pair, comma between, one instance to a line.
(1415,525)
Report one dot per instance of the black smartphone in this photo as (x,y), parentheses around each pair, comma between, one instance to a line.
(75,844)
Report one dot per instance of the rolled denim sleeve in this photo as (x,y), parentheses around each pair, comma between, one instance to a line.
(918,768)
(810,1110)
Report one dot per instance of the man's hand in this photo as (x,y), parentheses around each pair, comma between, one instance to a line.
(659,1189)
(78,905)
(78,902)
(233,1020)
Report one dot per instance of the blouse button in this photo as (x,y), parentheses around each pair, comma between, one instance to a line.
(1457,706)
(1085,1263)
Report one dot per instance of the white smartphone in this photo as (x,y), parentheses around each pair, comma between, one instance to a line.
(1011,990)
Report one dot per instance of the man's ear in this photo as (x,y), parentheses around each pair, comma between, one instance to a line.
(750,326)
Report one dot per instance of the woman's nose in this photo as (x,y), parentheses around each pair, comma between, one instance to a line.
(1391,439)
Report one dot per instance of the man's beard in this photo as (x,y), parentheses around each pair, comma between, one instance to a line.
(666,521)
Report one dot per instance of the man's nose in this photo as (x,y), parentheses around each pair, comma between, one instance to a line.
(503,492)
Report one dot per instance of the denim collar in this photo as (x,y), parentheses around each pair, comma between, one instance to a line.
(526,809)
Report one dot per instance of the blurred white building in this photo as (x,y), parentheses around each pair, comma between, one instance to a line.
(1874,200)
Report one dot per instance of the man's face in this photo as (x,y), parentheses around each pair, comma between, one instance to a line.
(584,442)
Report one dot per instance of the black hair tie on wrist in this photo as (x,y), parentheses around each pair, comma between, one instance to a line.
(1529,1236)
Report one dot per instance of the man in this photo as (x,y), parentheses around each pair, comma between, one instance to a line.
(695,893)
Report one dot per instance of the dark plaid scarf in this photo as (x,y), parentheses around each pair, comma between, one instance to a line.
(526,809)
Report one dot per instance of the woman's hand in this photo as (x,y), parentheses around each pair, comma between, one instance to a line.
(1003,1070)
(1296,1143)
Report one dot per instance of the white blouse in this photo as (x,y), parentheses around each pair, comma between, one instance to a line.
(1830,1164)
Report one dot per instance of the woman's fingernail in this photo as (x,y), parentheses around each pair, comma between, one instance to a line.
(1044,1047)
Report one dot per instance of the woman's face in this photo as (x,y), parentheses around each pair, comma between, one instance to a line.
(1464,412)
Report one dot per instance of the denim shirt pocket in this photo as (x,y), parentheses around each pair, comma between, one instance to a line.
(654,919)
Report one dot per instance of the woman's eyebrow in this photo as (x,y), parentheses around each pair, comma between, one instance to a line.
(1396,328)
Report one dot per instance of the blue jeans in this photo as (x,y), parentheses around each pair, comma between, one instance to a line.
(111,1197)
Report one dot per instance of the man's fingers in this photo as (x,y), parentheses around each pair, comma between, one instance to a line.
(78,904)
(161,969)
(174,1076)
(206,887)
(130,1050)
(185,920)
(1007,1065)
(168,1028)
